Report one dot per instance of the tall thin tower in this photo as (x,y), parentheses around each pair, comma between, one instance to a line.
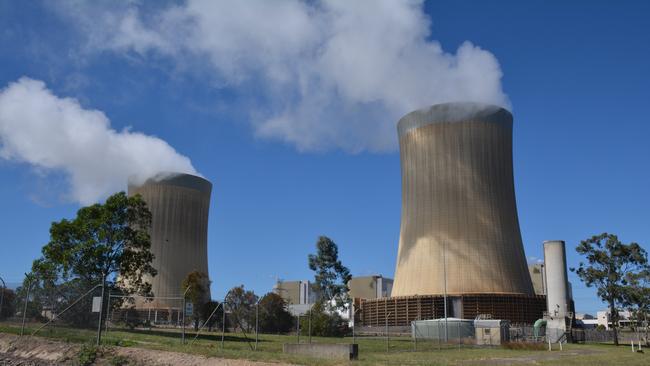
(179,205)
(459,226)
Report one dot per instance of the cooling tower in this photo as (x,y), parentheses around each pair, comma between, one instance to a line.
(459,213)
(179,205)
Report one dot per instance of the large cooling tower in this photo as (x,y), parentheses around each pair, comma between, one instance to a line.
(458,204)
(179,205)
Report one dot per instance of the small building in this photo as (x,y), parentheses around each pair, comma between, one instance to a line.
(491,332)
(624,319)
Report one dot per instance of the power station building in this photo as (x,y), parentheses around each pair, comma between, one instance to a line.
(459,236)
(179,205)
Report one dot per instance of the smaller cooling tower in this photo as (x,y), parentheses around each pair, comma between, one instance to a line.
(179,205)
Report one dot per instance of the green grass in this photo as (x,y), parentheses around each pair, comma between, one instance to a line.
(372,351)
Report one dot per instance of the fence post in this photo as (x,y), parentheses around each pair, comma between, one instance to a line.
(101,311)
(298,327)
(257,322)
(2,295)
(223,321)
(309,330)
(108,309)
(29,288)
(458,334)
(182,325)
(415,335)
(387,333)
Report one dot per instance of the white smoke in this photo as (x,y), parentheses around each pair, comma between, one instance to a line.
(58,134)
(334,73)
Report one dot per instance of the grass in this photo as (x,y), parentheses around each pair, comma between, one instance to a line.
(372,351)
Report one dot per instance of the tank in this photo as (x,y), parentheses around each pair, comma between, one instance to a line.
(459,216)
(557,296)
(179,205)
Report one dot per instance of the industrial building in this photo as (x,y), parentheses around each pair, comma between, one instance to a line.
(179,205)
(536,272)
(370,287)
(459,236)
(301,295)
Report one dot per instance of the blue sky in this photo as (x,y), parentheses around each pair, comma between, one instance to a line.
(289,162)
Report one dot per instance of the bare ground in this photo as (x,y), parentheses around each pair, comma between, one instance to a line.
(38,351)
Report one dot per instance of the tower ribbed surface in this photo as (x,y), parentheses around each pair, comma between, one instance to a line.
(179,205)
(458,203)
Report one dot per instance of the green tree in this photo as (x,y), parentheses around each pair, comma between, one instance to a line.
(8,303)
(637,299)
(324,322)
(240,304)
(197,285)
(105,243)
(610,265)
(273,314)
(331,278)
(217,315)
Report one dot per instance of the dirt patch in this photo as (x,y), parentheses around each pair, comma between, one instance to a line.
(160,358)
(34,350)
(38,351)
(531,359)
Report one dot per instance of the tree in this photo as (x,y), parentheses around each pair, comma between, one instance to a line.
(637,299)
(8,303)
(273,314)
(331,279)
(324,323)
(217,315)
(197,285)
(105,243)
(240,304)
(610,265)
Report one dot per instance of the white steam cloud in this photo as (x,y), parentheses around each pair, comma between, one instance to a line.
(333,73)
(58,134)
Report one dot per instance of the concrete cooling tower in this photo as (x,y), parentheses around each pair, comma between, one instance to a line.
(458,203)
(179,205)
(459,228)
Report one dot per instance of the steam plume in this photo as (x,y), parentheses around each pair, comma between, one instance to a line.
(58,134)
(333,74)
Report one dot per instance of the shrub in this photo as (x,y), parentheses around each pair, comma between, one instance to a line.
(87,355)
(324,323)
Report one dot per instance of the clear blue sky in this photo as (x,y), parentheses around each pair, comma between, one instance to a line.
(576,74)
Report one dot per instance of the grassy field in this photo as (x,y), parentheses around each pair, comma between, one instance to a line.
(372,351)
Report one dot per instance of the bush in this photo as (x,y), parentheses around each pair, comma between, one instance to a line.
(87,355)
(324,323)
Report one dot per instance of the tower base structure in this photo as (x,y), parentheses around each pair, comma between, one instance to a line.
(402,310)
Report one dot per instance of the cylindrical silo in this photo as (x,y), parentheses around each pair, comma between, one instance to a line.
(459,215)
(179,205)
(557,297)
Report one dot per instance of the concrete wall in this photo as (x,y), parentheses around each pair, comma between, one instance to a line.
(179,205)
(458,203)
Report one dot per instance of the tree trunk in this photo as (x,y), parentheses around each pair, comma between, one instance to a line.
(614,315)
